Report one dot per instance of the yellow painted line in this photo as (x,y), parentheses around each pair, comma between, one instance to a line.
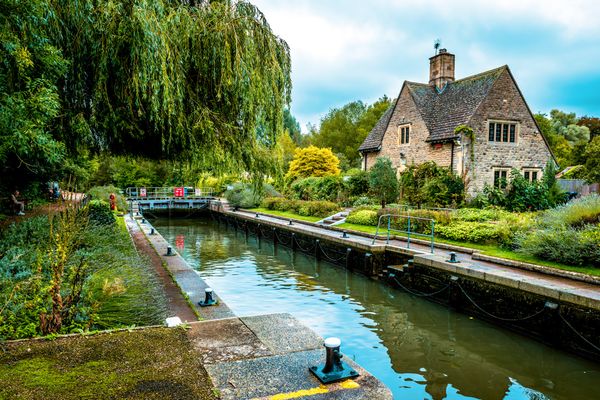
(299,394)
(348,384)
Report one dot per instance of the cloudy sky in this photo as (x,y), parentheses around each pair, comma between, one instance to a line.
(345,50)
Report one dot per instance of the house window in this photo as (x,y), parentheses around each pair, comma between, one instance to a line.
(403,134)
(501,177)
(503,132)
(532,174)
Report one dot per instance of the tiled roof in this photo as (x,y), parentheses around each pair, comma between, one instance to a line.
(443,110)
(373,140)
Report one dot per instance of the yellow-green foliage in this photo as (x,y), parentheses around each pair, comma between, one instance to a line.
(363,217)
(313,161)
(305,208)
(474,232)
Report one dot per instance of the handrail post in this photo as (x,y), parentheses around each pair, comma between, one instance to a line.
(408,232)
(389,226)
(432,234)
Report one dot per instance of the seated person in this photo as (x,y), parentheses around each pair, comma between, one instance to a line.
(18,205)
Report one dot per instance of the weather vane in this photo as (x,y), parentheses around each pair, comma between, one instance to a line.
(436,45)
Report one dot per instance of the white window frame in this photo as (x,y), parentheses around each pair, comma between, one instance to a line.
(507,122)
(409,126)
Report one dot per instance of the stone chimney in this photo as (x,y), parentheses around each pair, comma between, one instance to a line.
(441,69)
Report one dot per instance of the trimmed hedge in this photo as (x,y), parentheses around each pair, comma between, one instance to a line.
(474,232)
(363,217)
(304,208)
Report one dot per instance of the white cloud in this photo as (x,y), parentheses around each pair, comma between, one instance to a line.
(573,18)
(345,50)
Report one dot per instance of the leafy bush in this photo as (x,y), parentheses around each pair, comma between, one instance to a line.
(305,208)
(99,212)
(327,188)
(363,201)
(357,183)
(104,192)
(477,215)
(474,232)
(312,161)
(431,185)
(577,213)
(363,217)
(245,195)
(383,183)
(318,208)
(521,195)
(567,245)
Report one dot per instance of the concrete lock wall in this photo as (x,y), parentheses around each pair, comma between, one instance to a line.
(538,312)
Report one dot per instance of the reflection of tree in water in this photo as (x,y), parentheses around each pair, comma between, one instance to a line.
(212,248)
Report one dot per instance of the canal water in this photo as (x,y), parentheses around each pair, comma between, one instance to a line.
(419,349)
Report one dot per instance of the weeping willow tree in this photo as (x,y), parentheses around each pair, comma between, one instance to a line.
(200,81)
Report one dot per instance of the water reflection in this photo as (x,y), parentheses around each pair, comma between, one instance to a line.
(419,349)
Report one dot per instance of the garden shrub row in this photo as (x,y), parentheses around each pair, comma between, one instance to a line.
(339,189)
(304,208)
(568,234)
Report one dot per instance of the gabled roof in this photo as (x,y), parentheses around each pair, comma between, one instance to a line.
(442,110)
(373,140)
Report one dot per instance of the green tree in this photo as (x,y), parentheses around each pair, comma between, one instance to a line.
(431,185)
(592,161)
(29,99)
(592,123)
(562,135)
(313,161)
(344,129)
(383,183)
(292,127)
(565,124)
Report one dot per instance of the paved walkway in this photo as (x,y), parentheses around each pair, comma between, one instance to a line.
(556,287)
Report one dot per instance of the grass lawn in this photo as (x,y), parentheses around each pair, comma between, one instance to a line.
(486,249)
(155,363)
(286,214)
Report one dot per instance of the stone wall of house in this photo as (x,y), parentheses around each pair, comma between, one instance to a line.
(504,103)
(417,150)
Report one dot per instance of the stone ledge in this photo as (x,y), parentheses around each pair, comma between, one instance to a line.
(577,276)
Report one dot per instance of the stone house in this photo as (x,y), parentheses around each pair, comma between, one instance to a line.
(419,126)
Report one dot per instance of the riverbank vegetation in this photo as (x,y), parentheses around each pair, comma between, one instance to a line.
(568,234)
(74,272)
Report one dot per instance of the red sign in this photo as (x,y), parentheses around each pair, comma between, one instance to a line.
(142,192)
(178,192)
(180,242)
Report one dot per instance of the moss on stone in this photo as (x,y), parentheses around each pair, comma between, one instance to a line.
(140,364)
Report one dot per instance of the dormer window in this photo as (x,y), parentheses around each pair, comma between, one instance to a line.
(403,134)
(502,131)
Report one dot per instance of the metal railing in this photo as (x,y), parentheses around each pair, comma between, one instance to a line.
(159,193)
(391,223)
